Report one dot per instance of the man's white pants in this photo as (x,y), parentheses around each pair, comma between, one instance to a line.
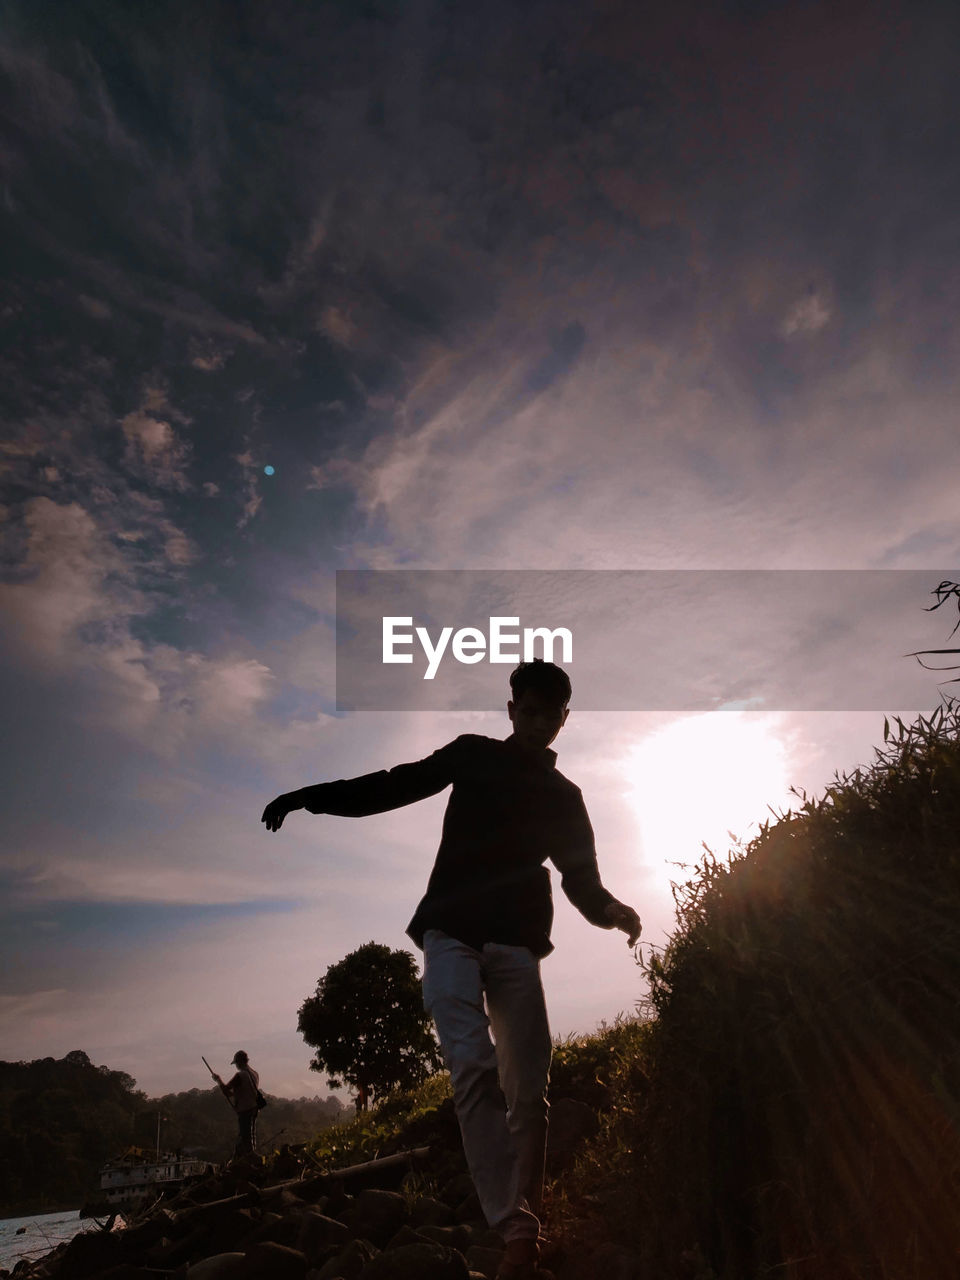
(499,1090)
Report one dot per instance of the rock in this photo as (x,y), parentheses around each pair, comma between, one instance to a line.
(379,1214)
(433,1213)
(457,1189)
(485,1261)
(89,1253)
(417,1262)
(191,1247)
(406,1235)
(276,1229)
(348,1263)
(318,1234)
(489,1239)
(313,1190)
(468,1210)
(125,1271)
(220,1266)
(338,1205)
(232,1230)
(141,1236)
(281,1200)
(458,1237)
(269,1261)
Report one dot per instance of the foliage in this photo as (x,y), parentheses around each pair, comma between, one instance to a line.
(367,1023)
(402,1118)
(60,1119)
(605,1070)
(802,1112)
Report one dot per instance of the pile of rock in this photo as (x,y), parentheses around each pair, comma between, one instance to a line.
(309,1228)
(287,1220)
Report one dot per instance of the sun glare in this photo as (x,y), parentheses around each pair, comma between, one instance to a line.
(703,777)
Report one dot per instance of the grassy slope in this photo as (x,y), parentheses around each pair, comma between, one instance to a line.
(793,1109)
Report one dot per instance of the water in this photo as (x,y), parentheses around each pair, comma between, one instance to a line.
(43,1232)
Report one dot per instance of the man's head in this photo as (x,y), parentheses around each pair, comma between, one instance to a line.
(240,1058)
(538,708)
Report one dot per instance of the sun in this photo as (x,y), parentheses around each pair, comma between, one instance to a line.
(704,777)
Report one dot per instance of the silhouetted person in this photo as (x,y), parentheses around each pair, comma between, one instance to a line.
(241,1092)
(484,925)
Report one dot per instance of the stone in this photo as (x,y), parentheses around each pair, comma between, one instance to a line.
(457,1189)
(485,1261)
(232,1230)
(144,1234)
(379,1214)
(318,1234)
(314,1190)
(349,1262)
(489,1239)
(125,1271)
(282,1200)
(276,1229)
(90,1252)
(269,1261)
(406,1235)
(468,1210)
(194,1245)
(219,1266)
(430,1212)
(457,1237)
(417,1262)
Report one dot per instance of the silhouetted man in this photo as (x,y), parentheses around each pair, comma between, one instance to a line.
(241,1092)
(484,925)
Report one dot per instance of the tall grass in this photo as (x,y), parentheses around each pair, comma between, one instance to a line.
(801,1112)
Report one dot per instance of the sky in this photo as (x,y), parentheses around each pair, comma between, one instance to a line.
(552,286)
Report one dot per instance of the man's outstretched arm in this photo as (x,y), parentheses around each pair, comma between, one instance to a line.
(371,793)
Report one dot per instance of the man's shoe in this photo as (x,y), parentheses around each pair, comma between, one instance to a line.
(519,1261)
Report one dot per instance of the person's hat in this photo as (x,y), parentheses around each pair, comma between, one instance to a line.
(240,1056)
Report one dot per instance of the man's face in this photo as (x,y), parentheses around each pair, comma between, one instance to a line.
(536,719)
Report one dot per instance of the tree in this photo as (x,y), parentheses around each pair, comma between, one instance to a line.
(367,1023)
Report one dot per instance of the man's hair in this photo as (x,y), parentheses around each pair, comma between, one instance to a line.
(541,677)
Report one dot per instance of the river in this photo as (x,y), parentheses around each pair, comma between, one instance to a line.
(42,1232)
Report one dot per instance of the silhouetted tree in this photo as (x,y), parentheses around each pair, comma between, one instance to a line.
(367,1023)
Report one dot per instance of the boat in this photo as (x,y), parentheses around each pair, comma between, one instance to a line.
(138,1174)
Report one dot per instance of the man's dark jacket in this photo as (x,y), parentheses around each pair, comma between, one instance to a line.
(509,811)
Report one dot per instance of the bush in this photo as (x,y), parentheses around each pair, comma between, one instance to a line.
(803,1110)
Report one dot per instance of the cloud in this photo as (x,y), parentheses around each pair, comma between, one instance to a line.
(337,326)
(253,498)
(807,315)
(73,577)
(153,448)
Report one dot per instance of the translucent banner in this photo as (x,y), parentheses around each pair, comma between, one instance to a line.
(644,640)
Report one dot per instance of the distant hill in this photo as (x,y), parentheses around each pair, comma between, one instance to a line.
(61,1118)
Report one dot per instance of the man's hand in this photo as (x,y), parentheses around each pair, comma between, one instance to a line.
(625,918)
(275,812)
